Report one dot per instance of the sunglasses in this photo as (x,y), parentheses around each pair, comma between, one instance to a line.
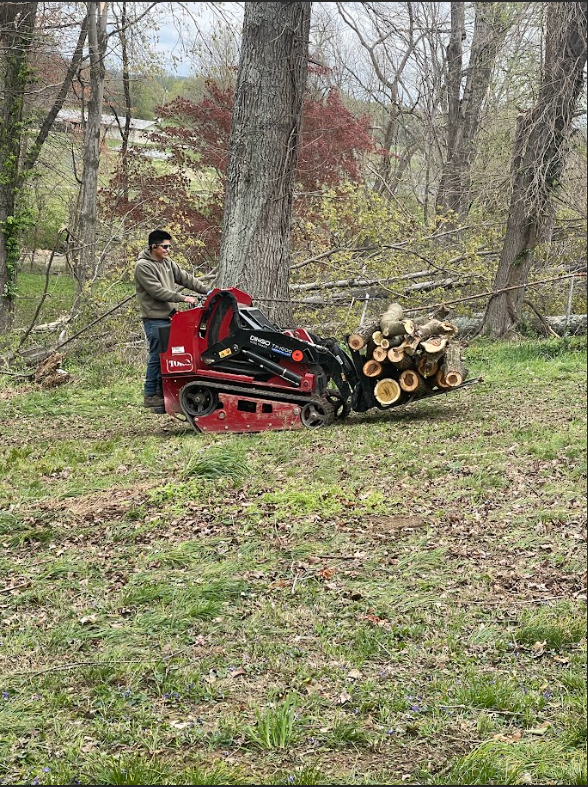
(166,246)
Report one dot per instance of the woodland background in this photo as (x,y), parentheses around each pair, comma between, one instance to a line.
(407,172)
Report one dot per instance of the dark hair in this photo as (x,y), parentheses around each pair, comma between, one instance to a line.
(157,236)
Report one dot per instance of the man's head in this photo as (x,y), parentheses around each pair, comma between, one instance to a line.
(159,244)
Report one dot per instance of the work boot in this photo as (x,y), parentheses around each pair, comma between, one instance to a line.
(153,401)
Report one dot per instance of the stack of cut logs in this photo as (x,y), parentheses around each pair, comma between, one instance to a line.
(407,358)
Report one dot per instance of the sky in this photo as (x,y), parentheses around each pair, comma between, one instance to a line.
(193,22)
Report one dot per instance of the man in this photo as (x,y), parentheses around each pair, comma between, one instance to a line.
(156,280)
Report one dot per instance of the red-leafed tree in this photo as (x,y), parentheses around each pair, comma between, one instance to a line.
(195,136)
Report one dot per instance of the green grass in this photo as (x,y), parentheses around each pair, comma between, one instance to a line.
(395,599)
(274,727)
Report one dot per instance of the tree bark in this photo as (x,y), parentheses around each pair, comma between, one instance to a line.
(538,158)
(435,328)
(453,369)
(17,21)
(126,80)
(263,150)
(465,111)
(97,41)
(391,320)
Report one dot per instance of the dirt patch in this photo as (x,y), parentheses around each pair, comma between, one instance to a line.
(392,522)
(104,505)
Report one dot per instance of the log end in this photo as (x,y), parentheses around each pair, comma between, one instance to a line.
(372,368)
(409,381)
(440,379)
(356,341)
(380,354)
(435,344)
(387,392)
(453,379)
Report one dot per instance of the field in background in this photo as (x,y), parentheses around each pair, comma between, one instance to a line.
(397,599)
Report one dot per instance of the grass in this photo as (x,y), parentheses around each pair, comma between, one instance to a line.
(395,599)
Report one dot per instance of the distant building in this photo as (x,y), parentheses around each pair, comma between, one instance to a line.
(71,120)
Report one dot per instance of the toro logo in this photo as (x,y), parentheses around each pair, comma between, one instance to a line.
(181,363)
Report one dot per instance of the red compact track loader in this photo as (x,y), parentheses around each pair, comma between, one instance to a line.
(226,368)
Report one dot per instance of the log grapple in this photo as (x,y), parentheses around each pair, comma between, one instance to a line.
(227,368)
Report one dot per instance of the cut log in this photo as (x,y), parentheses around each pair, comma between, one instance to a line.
(360,336)
(391,320)
(396,354)
(411,382)
(385,343)
(387,391)
(435,344)
(380,354)
(377,337)
(428,364)
(397,357)
(440,379)
(394,329)
(436,328)
(453,369)
(410,344)
(372,368)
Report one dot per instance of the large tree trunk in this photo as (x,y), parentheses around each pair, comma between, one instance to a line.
(97,40)
(263,147)
(17,22)
(465,111)
(538,159)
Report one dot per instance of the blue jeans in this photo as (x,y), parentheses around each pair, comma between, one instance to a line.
(153,384)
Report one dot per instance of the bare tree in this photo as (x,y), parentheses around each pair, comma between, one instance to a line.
(97,41)
(390,49)
(263,149)
(464,110)
(539,156)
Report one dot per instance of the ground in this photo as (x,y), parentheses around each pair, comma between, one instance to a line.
(396,599)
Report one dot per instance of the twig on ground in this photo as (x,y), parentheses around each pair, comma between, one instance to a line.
(76,664)
(8,588)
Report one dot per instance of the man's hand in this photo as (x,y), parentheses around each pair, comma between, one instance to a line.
(189,299)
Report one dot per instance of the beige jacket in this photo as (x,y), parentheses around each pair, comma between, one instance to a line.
(158,284)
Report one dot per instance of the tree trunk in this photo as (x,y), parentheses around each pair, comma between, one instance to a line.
(464,111)
(538,159)
(126,80)
(97,40)
(17,22)
(263,149)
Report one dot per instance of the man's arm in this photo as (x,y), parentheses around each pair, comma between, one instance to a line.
(149,281)
(187,280)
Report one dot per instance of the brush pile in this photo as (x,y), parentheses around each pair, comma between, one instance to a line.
(408,359)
